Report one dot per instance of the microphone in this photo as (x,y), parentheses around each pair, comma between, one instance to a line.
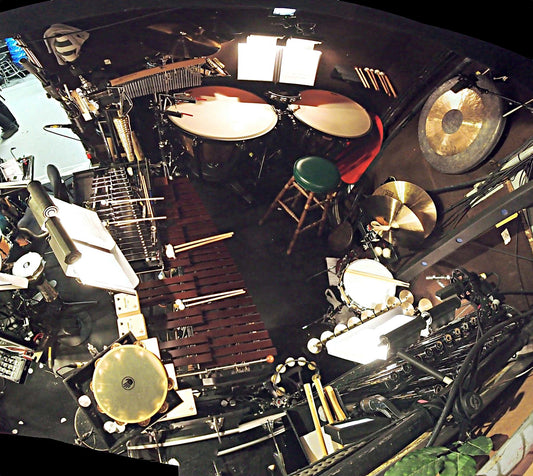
(173,113)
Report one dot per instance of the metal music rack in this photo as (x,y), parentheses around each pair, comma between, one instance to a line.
(120,197)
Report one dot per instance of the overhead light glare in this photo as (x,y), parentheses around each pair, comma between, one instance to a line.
(284,12)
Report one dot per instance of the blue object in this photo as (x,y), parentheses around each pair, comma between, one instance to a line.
(16,52)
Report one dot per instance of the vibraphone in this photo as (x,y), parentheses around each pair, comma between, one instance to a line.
(223,332)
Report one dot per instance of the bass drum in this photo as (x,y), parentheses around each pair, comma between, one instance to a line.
(326,122)
(221,128)
(361,292)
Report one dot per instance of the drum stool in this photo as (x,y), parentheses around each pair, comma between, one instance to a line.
(315,178)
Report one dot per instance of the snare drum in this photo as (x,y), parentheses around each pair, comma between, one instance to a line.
(222,126)
(326,121)
(362,292)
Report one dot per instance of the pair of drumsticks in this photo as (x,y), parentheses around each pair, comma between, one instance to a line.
(374,78)
(331,406)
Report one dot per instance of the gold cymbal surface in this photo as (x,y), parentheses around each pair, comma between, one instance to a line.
(393,220)
(415,198)
(454,121)
(130,383)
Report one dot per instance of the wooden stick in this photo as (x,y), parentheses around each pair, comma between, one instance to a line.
(372,78)
(314,416)
(379,74)
(390,85)
(322,397)
(337,409)
(361,77)
(201,242)
(377,276)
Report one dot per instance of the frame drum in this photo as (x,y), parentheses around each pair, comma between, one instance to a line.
(223,125)
(362,292)
(130,383)
(328,121)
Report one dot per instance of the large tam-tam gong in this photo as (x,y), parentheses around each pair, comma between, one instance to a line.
(460,124)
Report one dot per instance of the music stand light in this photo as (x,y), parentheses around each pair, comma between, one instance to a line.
(377,338)
(83,246)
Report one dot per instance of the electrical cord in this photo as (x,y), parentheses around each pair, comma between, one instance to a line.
(456,386)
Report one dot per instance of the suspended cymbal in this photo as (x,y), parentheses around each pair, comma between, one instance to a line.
(181,40)
(459,126)
(393,220)
(415,198)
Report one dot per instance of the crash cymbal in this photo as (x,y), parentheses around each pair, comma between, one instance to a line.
(181,40)
(393,220)
(459,126)
(415,198)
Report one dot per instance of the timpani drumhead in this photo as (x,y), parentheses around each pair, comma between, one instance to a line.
(130,384)
(225,114)
(332,114)
(361,291)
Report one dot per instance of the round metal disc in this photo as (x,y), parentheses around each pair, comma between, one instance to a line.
(393,220)
(415,198)
(130,384)
(457,130)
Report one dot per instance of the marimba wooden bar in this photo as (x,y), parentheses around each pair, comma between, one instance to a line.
(224,332)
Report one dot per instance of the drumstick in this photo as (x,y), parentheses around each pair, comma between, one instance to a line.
(383,82)
(361,76)
(337,409)
(377,276)
(372,78)
(390,85)
(322,397)
(314,416)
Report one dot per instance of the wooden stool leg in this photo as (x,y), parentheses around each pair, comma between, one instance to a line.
(276,200)
(300,222)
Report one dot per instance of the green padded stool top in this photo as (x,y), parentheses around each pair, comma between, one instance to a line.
(316,174)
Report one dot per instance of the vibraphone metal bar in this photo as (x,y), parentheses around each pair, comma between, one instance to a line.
(172,76)
(123,208)
(224,332)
